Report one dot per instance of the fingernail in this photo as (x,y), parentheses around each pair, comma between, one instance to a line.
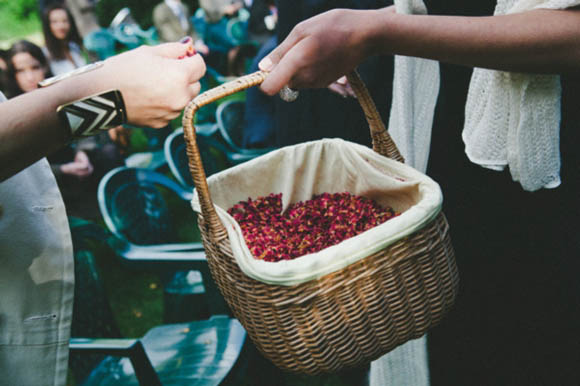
(186,40)
(181,57)
(190,51)
(341,80)
(266,64)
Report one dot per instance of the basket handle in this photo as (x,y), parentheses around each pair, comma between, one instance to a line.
(382,142)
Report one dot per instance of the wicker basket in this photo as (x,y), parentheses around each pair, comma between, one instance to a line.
(349,317)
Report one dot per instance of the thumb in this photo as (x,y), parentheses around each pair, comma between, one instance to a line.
(173,50)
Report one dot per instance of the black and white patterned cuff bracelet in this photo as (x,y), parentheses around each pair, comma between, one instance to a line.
(90,115)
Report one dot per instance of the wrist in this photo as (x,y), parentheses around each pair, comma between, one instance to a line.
(90,104)
(380,32)
(94,114)
(82,85)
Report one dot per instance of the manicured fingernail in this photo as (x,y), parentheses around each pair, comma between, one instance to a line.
(181,57)
(190,51)
(341,80)
(186,40)
(266,64)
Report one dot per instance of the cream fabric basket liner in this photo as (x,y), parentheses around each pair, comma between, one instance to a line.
(331,166)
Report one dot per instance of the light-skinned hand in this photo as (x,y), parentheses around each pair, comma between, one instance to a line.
(81,167)
(156,82)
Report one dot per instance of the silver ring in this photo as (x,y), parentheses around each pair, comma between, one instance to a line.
(288,95)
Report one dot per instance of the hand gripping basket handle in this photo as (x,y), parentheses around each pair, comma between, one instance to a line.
(382,142)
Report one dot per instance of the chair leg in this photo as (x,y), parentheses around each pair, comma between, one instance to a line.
(144,370)
(216,302)
(131,348)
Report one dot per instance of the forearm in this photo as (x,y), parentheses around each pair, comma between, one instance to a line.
(540,41)
(31,128)
(156,84)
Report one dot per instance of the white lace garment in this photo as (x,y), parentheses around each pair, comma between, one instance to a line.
(511,119)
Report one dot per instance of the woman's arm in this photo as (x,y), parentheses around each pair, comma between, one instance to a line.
(325,47)
(155,85)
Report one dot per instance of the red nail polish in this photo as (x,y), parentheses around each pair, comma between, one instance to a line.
(181,57)
(190,51)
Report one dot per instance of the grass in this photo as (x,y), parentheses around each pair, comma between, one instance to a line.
(136,297)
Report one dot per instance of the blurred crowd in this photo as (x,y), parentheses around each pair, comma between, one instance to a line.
(231,35)
(516,318)
(80,166)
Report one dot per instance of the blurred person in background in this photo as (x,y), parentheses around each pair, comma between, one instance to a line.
(227,53)
(171,18)
(26,66)
(504,151)
(263,20)
(215,10)
(78,167)
(64,51)
(42,4)
(321,113)
(63,42)
(36,255)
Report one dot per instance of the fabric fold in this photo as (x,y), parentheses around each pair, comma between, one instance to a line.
(415,91)
(513,119)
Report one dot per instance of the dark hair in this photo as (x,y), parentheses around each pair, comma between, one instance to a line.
(22,46)
(57,48)
(3,54)
(4,58)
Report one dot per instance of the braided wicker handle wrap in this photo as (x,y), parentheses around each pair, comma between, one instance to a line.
(382,142)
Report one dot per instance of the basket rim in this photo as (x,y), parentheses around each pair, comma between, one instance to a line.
(336,257)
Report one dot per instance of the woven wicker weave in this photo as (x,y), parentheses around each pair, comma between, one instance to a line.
(344,319)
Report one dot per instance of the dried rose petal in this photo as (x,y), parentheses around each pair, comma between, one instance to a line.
(305,227)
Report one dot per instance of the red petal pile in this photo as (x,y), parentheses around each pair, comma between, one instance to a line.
(305,227)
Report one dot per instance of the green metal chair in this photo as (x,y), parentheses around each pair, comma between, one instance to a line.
(127,32)
(148,209)
(212,152)
(197,353)
(230,122)
(123,33)
(154,227)
(101,42)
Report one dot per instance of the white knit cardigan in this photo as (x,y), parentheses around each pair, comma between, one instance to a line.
(511,119)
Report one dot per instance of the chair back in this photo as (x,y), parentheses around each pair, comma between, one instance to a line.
(176,156)
(101,42)
(144,207)
(230,121)
(205,353)
(237,31)
(230,116)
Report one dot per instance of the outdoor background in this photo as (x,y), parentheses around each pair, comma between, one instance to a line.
(136,297)
(20,18)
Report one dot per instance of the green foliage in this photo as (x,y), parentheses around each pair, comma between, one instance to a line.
(18,19)
(20,9)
